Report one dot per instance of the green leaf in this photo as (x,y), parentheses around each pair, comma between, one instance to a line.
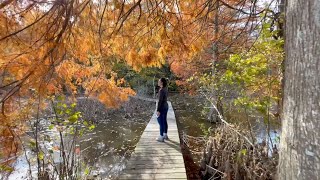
(51,126)
(81,132)
(68,111)
(87,171)
(41,155)
(72,131)
(73,118)
(92,127)
(59,111)
(59,104)
(60,98)
(243,152)
(51,151)
(73,105)
(85,123)
(32,144)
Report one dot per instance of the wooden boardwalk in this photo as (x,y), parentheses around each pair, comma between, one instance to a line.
(157,160)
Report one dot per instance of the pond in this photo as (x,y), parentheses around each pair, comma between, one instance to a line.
(192,123)
(107,147)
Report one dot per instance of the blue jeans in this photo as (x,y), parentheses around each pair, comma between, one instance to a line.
(162,120)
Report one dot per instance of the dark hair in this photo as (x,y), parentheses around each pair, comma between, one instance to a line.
(164,82)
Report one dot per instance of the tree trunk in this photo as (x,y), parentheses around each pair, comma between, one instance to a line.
(300,138)
(213,114)
(154,87)
(215,53)
(281,5)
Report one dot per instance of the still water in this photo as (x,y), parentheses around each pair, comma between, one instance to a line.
(192,121)
(106,148)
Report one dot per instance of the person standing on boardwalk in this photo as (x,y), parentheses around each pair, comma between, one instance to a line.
(162,109)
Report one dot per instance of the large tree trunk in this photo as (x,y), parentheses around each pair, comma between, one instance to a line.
(300,138)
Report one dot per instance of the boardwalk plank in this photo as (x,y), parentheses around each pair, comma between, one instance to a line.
(156,171)
(154,166)
(156,160)
(178,175)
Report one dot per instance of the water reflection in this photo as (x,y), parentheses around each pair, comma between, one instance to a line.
(192,121)
(106,148)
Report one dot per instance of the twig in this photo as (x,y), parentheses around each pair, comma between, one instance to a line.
(226,123)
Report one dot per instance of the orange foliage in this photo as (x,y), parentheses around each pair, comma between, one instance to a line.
(54,47)
(200,38)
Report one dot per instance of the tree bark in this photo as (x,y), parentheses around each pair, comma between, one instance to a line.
(300,138)
(281,6)
(215,49)
(213,114)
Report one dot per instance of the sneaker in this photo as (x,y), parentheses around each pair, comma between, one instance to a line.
(165,136)
(160,139)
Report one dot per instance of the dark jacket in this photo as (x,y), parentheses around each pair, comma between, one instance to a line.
(162,103)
